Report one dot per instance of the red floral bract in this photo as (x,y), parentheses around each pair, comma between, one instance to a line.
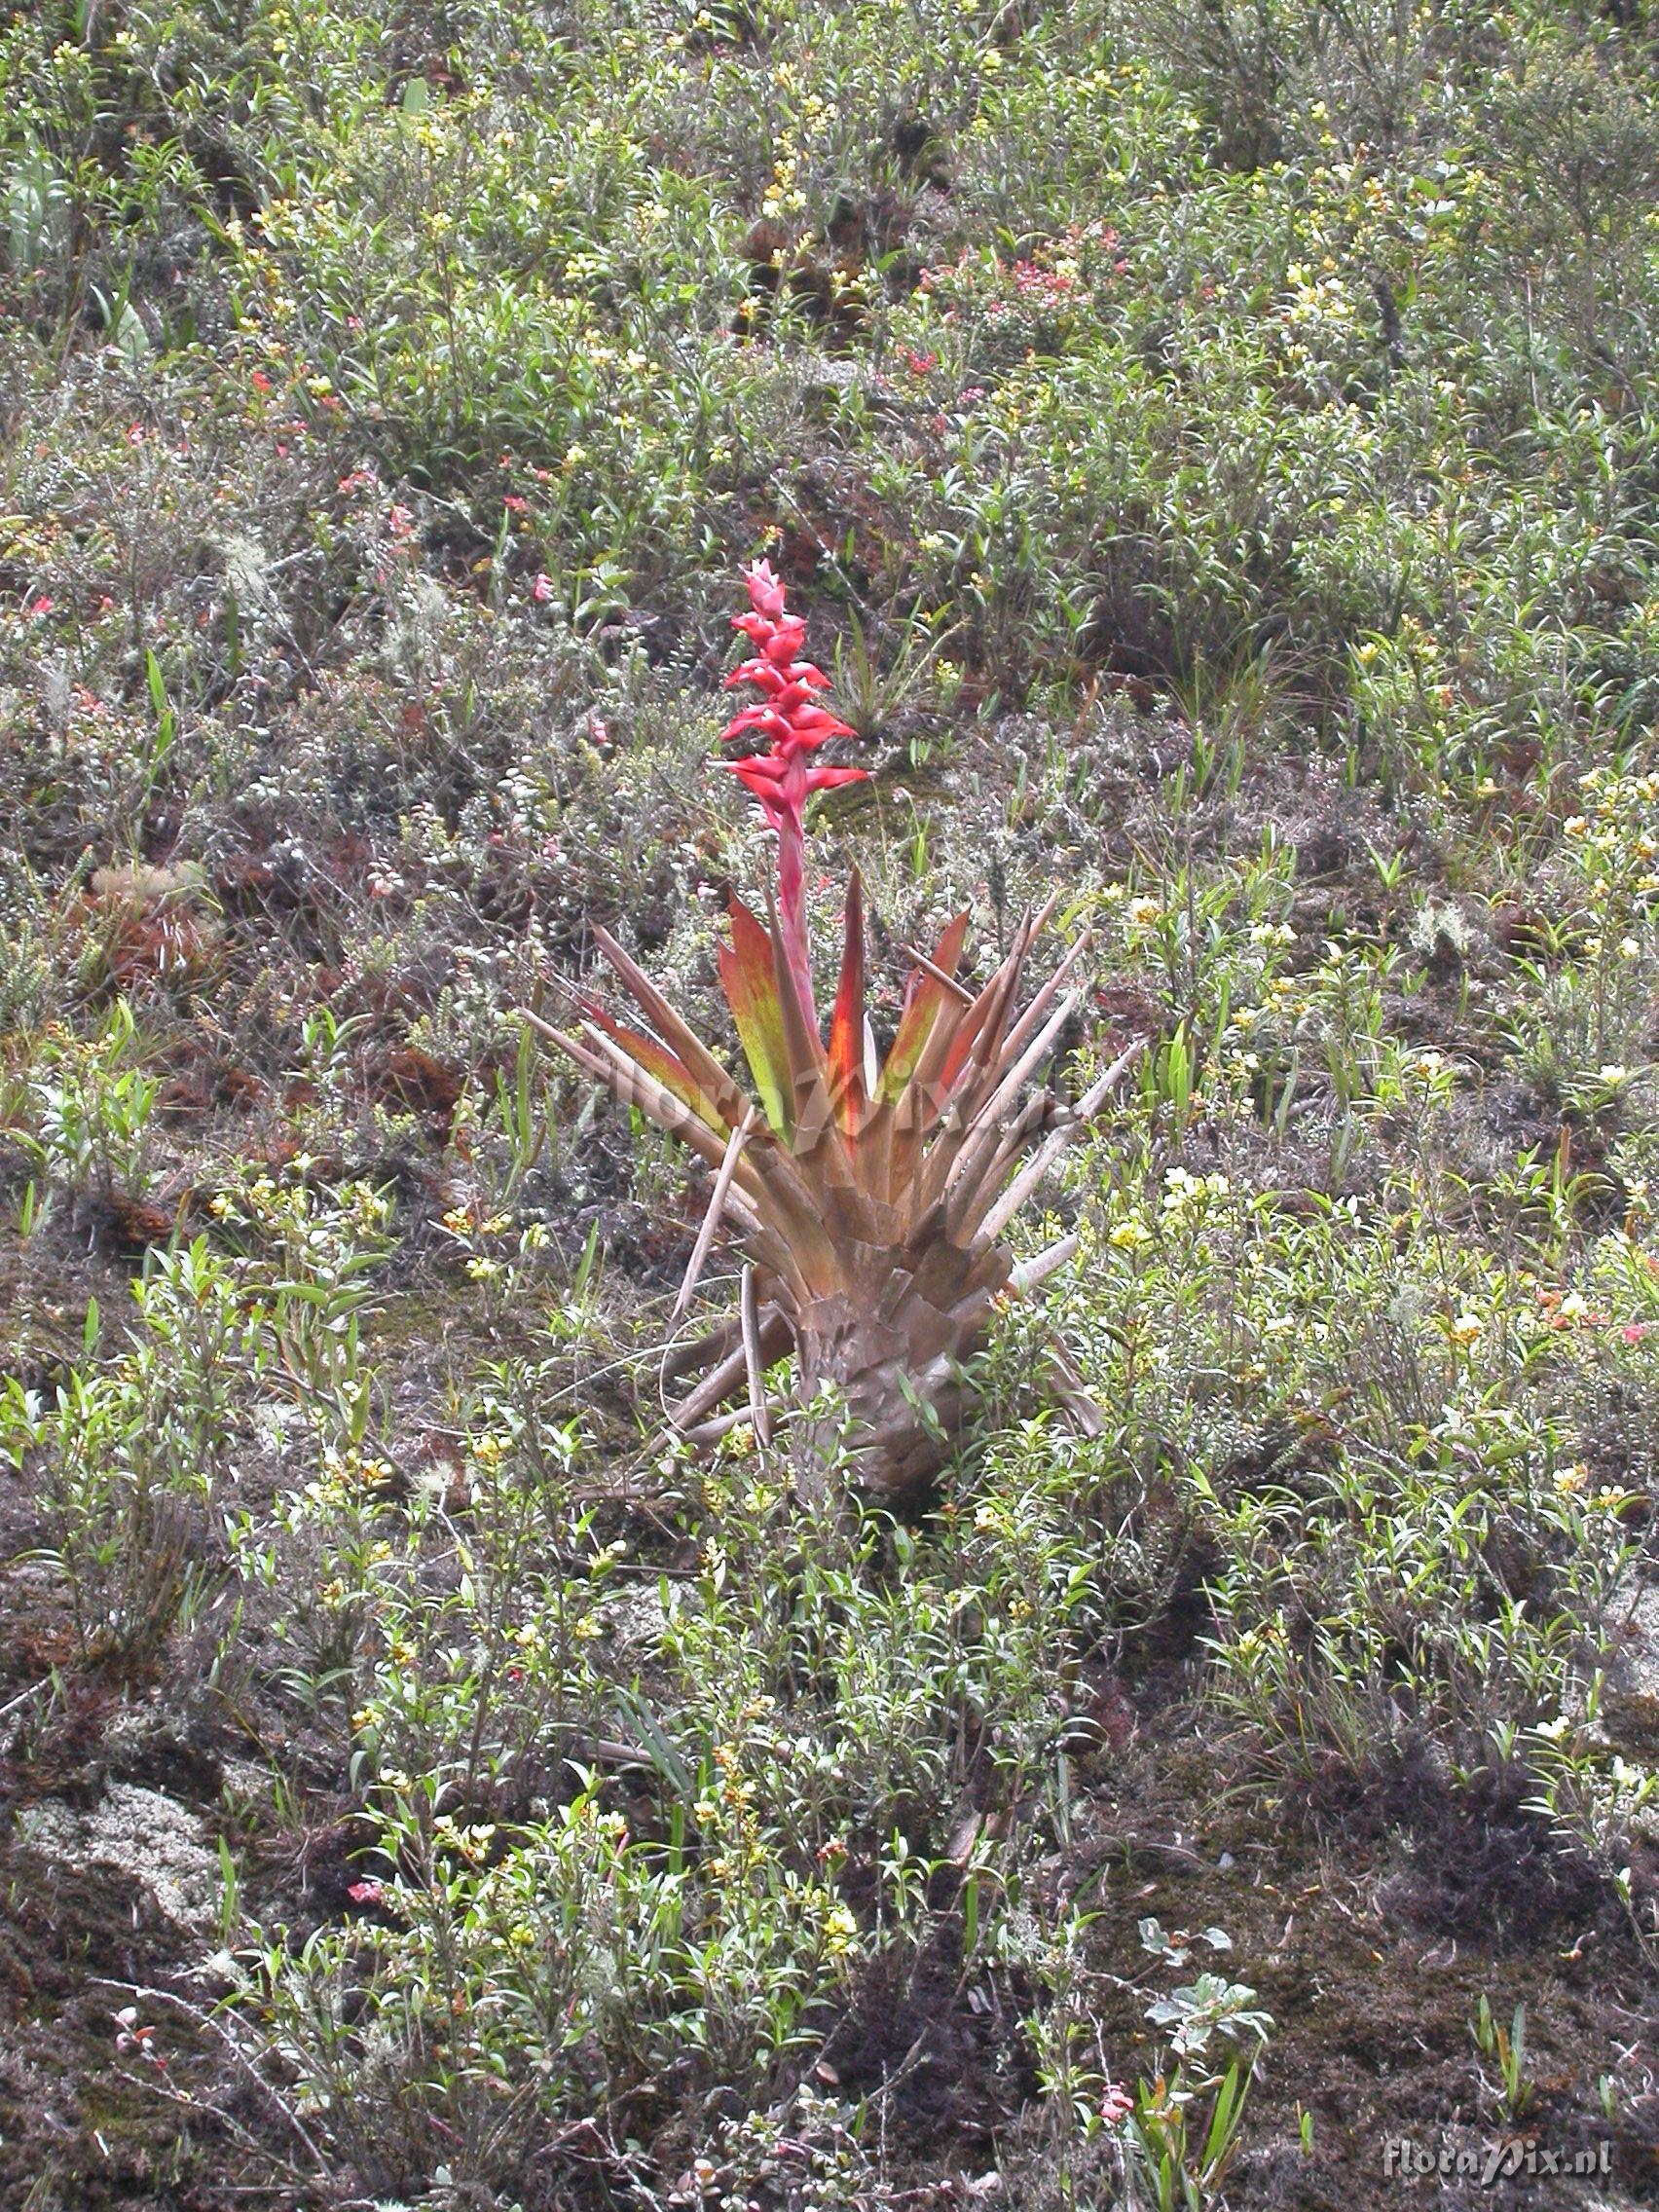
(792,727)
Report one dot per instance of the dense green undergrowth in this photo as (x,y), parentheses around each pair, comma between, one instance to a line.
(1216,444)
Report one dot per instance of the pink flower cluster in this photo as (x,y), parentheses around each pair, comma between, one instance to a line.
(792,727)
(1046,283)
(787,717)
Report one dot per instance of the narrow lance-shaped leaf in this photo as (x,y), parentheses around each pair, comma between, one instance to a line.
(749,982)
(981,1036)
(699,1062)
(658,1060)
(804,1050)
(923,1004)
(847,1021)
(624,1078)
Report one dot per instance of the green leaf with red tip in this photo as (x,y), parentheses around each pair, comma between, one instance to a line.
(750,983)
(846,1021)
(662,1064)
(926,997)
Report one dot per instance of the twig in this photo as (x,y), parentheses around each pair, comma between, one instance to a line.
(752,1358)
(204,2019)
(717,1207)
(919,960)
(24,1697)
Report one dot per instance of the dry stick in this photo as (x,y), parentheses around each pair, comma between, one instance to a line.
(717,1207)
(920,960)
(752,1357)
(24,1696)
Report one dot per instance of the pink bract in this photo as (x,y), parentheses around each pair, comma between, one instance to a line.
(792,726)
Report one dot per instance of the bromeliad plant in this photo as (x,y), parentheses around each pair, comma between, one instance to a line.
(871,1197)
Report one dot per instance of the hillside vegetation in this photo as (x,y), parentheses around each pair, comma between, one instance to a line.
(1215,444)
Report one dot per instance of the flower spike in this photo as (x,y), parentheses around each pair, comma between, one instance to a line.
(791,728)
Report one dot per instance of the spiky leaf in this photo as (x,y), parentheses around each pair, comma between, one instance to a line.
(847,1021)
(749,980)
(658,1060)
(925,1001)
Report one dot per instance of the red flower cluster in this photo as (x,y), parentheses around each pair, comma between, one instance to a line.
(794,727)
(786,718)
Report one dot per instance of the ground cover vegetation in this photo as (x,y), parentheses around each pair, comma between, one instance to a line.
(1214,448)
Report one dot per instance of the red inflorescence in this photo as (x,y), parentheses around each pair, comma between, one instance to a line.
(794,727)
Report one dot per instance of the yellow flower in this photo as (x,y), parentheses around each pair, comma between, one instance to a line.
(840,1932)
